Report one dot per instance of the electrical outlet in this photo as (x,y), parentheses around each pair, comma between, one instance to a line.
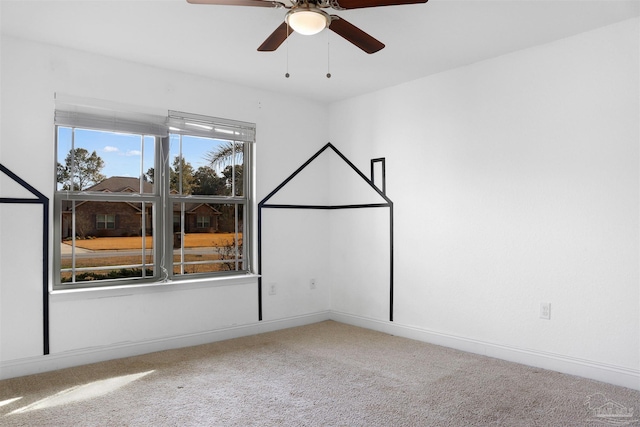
(545,310)
(312,284)
(272,288)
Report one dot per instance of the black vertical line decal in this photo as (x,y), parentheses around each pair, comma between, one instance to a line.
(259,262)
(391,261)
(45,275)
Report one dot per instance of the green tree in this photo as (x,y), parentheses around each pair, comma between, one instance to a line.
(81,170)
(237,179)
(230,156)
(181,167)
(208,182)
(149,175)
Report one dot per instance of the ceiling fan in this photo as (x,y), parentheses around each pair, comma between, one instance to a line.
(307,17)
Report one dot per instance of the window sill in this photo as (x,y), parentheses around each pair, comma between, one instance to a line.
(148,288)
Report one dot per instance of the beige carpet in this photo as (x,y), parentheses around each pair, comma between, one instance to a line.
(326,374)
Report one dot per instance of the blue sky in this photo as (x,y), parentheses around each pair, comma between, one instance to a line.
(122,153)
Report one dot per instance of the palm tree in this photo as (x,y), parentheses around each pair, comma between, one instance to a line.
(226,154)
(228,159)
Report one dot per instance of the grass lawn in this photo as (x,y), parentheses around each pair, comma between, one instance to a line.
(132,260)
(193,240)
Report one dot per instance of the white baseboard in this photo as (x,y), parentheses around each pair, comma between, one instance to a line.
(51,362)
(611,374)
(616,375)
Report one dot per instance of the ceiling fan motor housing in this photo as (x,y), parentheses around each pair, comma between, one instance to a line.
(307,19)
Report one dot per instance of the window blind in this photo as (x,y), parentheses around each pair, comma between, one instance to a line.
(101,115)
(210,127)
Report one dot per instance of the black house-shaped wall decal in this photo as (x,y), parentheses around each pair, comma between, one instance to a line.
(20,192)
(368,195)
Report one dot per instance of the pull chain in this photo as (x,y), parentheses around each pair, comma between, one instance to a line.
(328,57)
(287,73)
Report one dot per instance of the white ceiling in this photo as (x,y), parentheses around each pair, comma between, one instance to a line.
(221,41)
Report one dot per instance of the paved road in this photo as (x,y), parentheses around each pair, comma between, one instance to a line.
(65,252)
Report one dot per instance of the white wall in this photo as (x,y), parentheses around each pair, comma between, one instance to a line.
(130,318)
(515,181)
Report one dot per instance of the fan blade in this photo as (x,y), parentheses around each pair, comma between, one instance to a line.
(357,4)
(355,35)
(257,3)
(276,38)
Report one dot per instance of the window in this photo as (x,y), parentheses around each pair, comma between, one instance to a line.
(105,221)
(204,222)
(143,200)
(209,193)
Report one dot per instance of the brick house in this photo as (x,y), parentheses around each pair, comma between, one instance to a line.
(121,219)
(198,218)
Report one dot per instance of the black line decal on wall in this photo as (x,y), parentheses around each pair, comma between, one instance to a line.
(387,203)
(40,199)
(382,162)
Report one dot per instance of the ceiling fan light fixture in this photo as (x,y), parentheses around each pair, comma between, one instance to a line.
(307,21)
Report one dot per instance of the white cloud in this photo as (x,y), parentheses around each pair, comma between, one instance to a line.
(110,149)
(134,153)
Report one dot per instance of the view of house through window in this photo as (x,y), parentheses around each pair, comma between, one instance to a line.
(205,171)
(132,206)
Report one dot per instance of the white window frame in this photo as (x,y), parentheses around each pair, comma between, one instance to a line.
(162,199)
